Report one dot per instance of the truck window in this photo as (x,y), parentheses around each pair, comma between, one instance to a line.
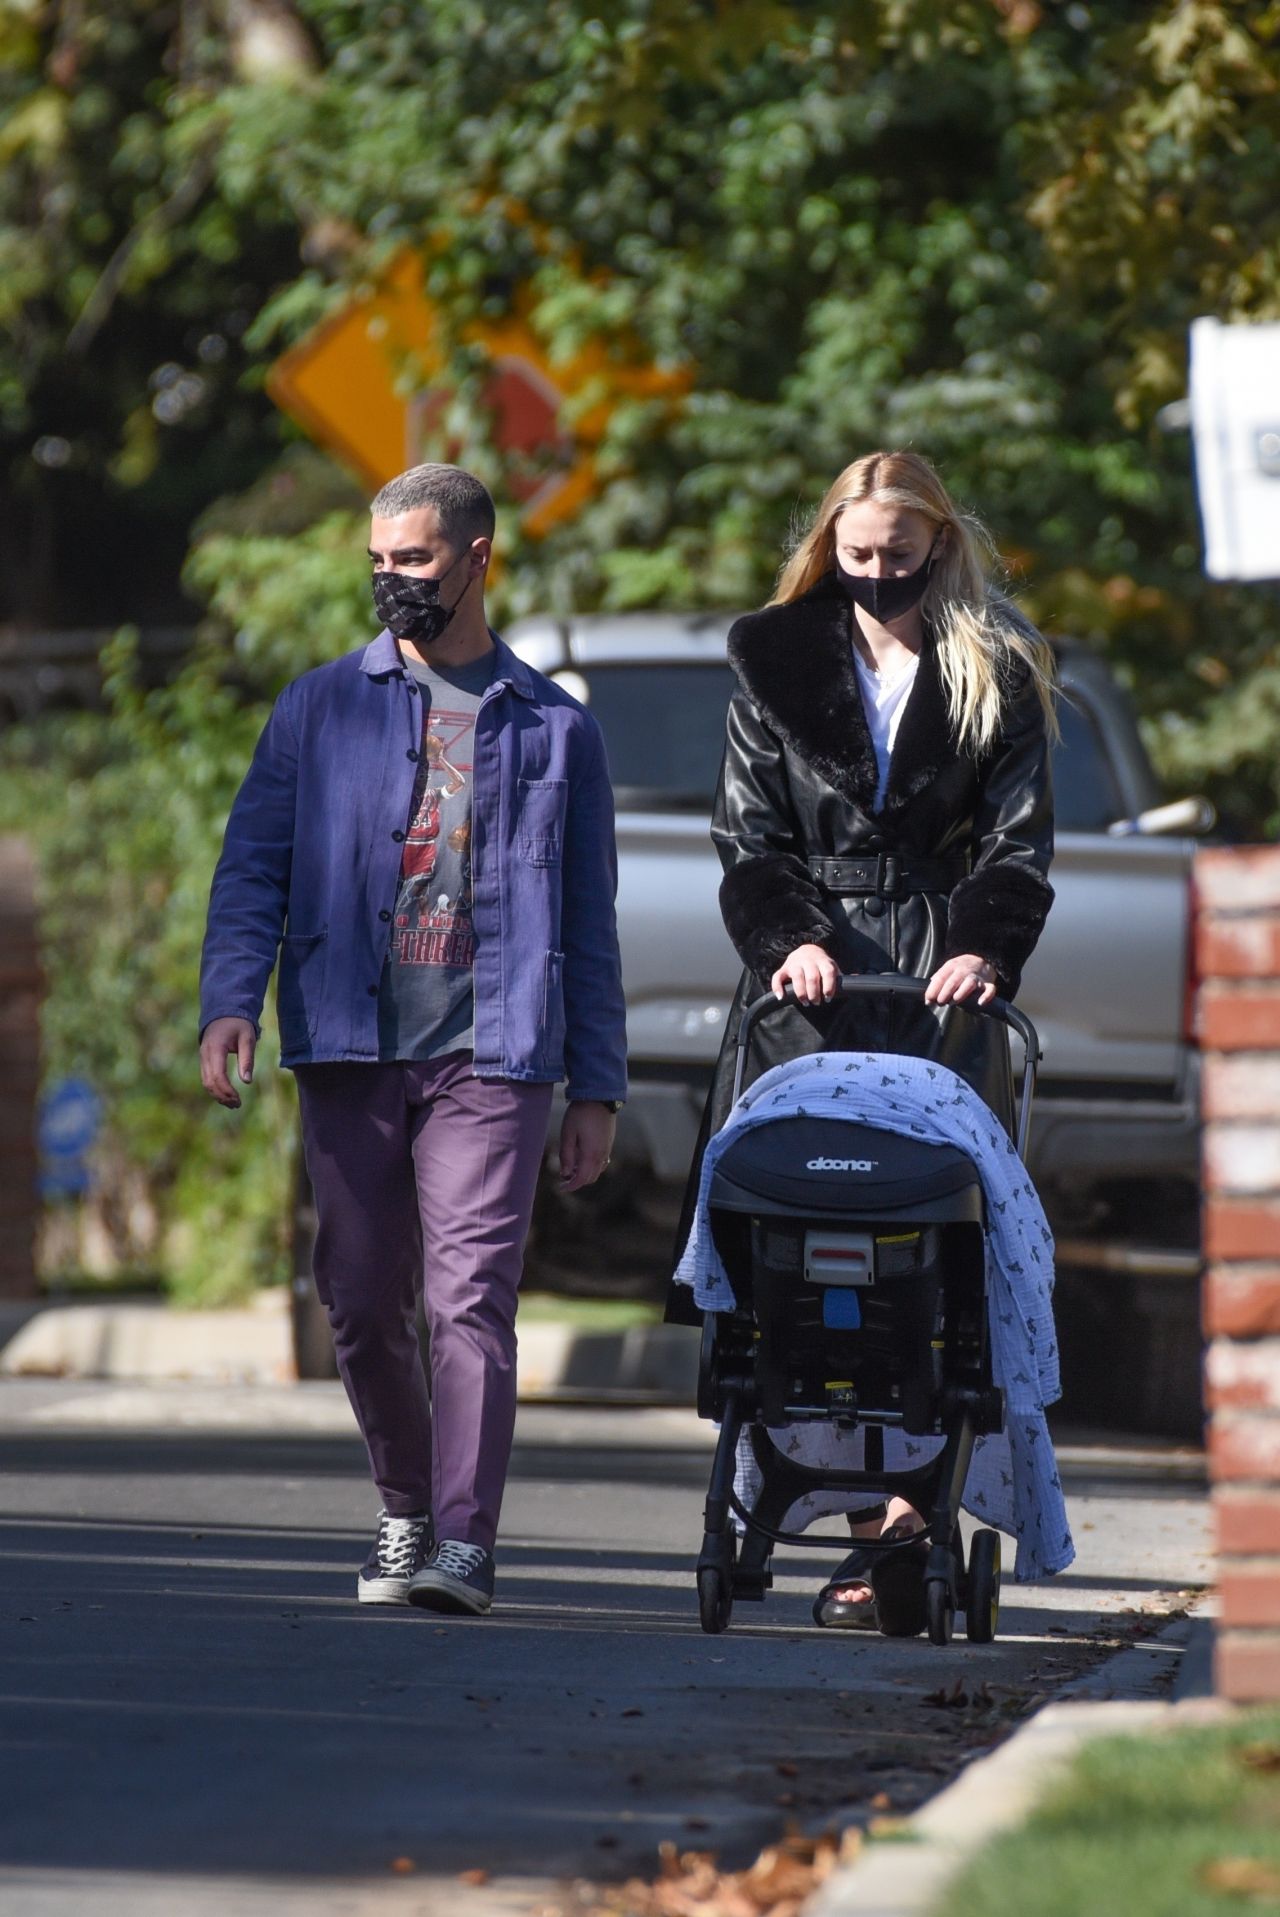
(663,727)
(1085,795)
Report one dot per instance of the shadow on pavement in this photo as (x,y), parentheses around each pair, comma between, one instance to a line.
(182,1454)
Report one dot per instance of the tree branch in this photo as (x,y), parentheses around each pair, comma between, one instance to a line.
(102,298)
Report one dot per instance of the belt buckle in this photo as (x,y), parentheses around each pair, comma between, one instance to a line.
(888,876)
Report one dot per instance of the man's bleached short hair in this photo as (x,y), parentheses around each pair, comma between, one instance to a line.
(463,506)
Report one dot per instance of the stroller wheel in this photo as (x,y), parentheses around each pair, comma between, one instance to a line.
(982,1588)
(940,1611)
(715,1598)
(898,1583)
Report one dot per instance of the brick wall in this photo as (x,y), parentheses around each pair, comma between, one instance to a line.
(19,1069)
(1238,955)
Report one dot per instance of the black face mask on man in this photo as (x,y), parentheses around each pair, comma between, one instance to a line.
(887,599)
(410,607)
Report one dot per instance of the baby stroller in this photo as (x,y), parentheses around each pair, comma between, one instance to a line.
(860,1300)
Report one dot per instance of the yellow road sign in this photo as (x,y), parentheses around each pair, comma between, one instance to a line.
(365,383)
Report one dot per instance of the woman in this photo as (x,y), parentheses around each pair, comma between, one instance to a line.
(884,806)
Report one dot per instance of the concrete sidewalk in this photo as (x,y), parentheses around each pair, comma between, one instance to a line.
(1143,1540)
(153,1342)
(147,1367)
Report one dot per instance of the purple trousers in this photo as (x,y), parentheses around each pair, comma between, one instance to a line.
(424,1178)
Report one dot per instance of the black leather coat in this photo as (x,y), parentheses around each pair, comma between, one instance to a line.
(799,781)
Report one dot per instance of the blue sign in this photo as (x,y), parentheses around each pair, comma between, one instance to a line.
(66,1126)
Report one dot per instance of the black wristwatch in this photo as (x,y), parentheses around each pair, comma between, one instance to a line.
(612,1105)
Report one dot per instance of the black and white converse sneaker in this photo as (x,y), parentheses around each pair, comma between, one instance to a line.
(456,1577)
(401,1548)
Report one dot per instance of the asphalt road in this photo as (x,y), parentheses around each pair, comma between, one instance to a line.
(195,1716)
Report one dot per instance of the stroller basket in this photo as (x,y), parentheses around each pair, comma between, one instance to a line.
(857,1258)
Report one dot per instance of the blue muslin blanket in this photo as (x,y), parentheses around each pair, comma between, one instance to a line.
(1013,1481)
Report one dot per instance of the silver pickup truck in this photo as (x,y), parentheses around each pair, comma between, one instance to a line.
(1115,1138)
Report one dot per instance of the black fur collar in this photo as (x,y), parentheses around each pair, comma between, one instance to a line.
(795,663)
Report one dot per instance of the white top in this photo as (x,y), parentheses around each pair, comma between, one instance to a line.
(883,700)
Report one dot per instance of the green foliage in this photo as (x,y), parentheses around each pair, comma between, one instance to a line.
(978,226)
(979,229)
(125,810)
(290,601)
(1185,1821)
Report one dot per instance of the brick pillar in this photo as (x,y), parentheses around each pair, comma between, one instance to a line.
(20,984)
(1238,955)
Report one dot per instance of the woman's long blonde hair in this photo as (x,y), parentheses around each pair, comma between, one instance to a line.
(978,633)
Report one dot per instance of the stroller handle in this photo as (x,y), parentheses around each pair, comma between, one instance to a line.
(894,985)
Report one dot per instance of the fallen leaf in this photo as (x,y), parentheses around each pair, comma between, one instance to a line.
(948,1700)
(402,1866)
(775,1875)
(787,1770)
(1260,1757)
(778,1884)
(894,1830)
(1242,1877)
(473,1877)
(882,1801)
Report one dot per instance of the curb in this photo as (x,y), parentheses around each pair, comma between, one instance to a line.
(645,1364)
(148,1342)
(996,1793)
(145,1343)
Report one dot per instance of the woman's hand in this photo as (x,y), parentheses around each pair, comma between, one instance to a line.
(959,979)
(811,973)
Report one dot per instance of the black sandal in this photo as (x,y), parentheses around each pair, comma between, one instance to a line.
(897,1579)
(849,1614)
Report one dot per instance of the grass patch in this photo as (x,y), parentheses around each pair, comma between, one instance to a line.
(587,1314)
(1185,1824)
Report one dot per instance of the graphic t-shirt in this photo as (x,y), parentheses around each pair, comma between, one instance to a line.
(425,1003)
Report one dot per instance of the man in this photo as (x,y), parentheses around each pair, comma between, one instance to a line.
(426,837)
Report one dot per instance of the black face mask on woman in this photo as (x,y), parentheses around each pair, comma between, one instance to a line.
(410,607)
(887,599)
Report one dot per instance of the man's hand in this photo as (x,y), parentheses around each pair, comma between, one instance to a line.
(586,1139)
(811,973)
(222,1036)
(959,979)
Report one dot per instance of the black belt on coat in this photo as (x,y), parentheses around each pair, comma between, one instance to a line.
(888,876)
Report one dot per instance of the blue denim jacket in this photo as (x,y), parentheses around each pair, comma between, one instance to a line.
(311,859)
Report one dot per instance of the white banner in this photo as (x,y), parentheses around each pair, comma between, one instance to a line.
(1235,419)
